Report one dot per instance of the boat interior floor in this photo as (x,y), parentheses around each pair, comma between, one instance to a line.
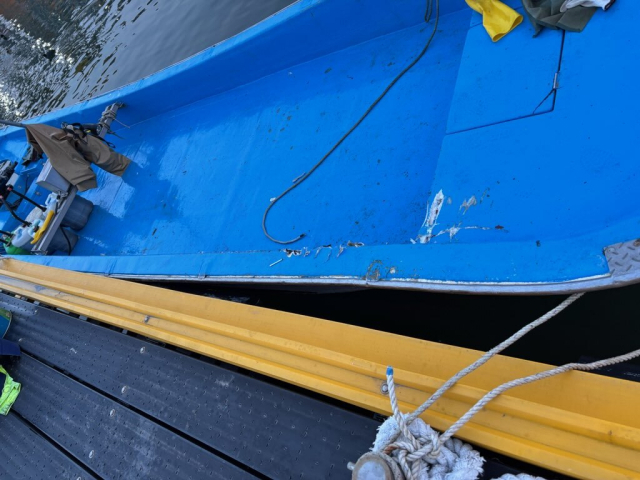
(485,164)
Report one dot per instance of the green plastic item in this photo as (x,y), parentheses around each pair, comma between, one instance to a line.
(11,250)
(10,393)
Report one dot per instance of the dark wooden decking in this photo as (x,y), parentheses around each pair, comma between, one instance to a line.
(101,403)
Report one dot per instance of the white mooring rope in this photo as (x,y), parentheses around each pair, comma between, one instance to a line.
(414,451)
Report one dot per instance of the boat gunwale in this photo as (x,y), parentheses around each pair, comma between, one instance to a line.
(586,284)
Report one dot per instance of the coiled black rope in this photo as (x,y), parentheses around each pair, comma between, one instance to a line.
(302,178)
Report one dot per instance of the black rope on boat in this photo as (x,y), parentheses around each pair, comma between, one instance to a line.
(67,239)
(302,178)
(4,202)
(24,197)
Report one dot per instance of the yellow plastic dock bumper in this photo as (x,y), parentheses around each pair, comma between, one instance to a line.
(579,424)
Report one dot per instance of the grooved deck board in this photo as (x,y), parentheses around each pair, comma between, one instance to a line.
(178,414)
(274,431)
(27,455)
(108,438)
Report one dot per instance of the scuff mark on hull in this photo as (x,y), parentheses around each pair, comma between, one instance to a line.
(425,234)
(467,204)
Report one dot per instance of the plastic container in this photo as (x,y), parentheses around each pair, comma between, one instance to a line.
(22,238)
(59,242)
(50,179)
(78,213)
(13,250)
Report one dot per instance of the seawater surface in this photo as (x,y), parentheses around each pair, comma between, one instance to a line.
(56,53)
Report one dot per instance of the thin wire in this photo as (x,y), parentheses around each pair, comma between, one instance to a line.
(302,178)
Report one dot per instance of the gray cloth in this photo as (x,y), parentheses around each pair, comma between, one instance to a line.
(546,13)
(72,155)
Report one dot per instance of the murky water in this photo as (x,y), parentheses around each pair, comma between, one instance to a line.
(56,53)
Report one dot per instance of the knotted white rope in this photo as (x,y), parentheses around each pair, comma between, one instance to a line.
(457,460)
(414,451)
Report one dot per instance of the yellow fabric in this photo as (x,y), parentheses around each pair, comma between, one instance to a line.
(498,19)
(43,227)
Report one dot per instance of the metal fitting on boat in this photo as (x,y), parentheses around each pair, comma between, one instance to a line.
(371,467)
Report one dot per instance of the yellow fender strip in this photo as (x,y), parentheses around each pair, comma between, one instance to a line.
(579,424)
(43,227)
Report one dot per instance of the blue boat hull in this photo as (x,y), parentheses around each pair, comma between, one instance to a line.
(473,174)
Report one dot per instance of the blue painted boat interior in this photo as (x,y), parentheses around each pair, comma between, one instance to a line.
(472,171)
